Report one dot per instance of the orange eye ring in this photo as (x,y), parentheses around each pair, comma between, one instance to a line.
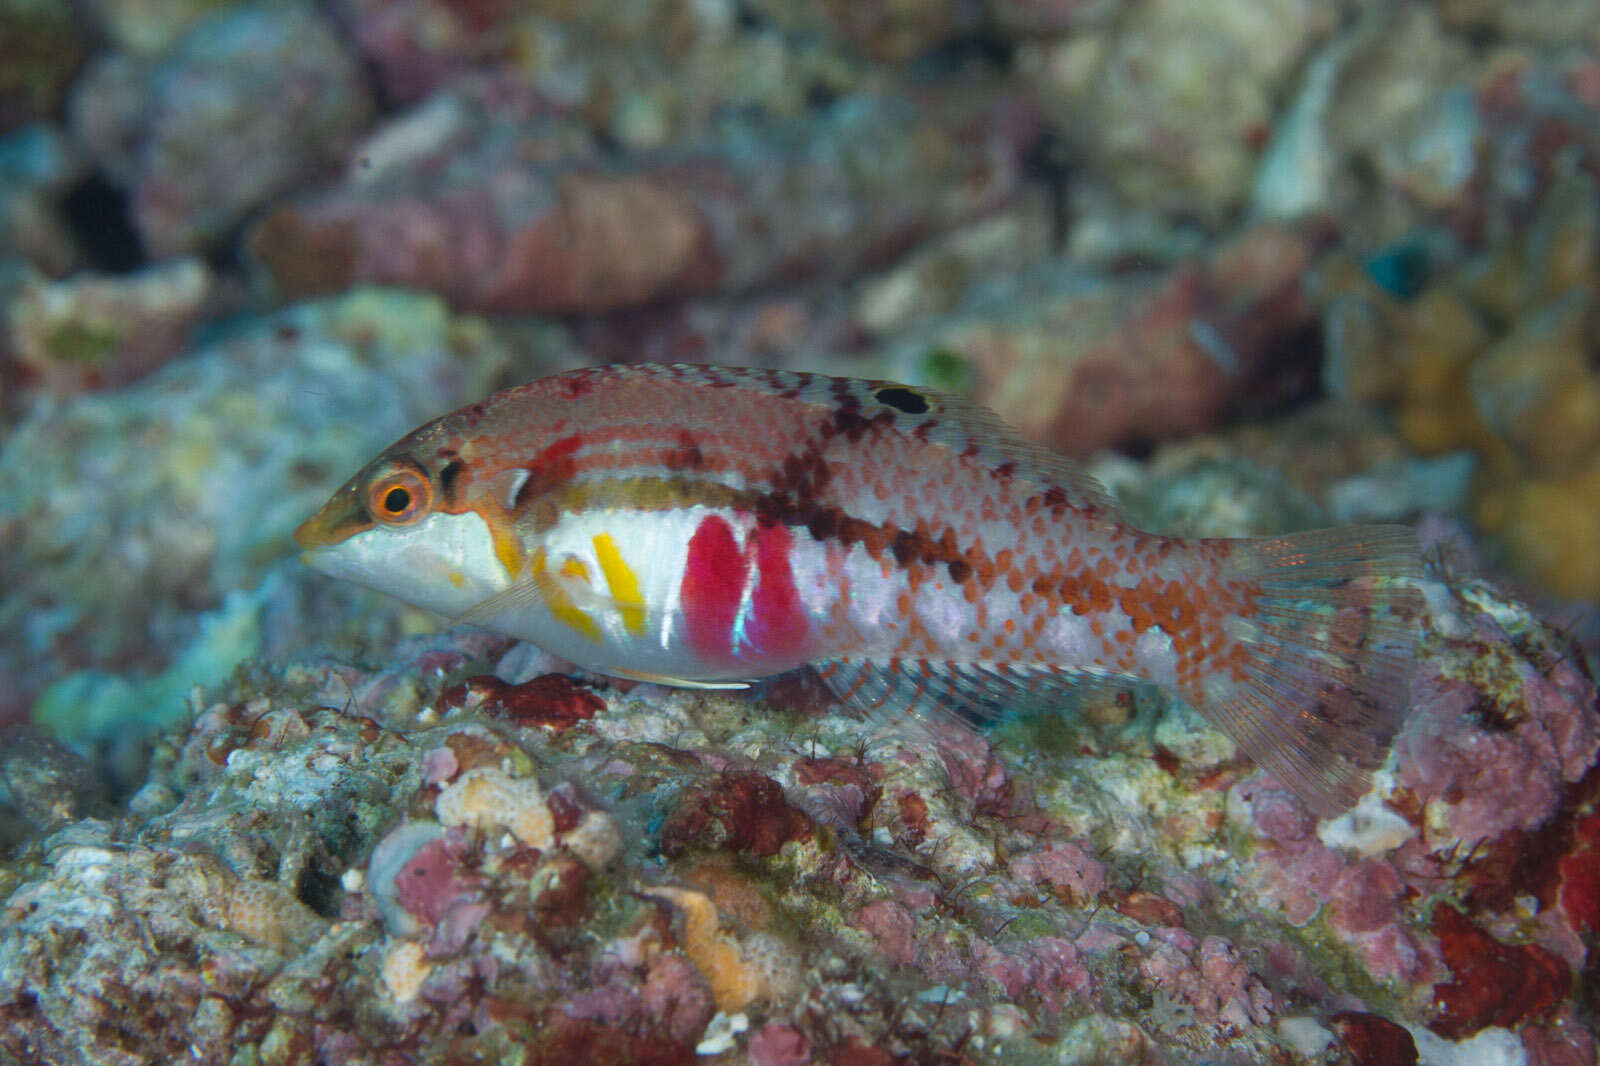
(400,496)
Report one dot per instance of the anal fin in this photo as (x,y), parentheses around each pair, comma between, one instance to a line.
(893,692)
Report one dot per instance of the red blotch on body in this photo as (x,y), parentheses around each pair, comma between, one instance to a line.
(776,632)
(576,385)
(778,628)
(713,584)
(558,453)
(556,464)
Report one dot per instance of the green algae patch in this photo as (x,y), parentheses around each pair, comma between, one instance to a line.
(83,342)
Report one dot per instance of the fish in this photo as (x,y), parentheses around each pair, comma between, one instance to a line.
(712,527)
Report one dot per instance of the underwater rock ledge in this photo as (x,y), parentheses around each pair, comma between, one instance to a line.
(430,863)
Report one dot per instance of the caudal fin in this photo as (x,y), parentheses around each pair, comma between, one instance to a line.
(1318,676)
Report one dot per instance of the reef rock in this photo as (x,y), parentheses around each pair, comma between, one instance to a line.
(419,862)
(1081,362)
(643,74)
(820,198)
(184,130)
(135,519)
(1493,356)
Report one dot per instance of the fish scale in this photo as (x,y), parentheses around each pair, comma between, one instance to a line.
(713,526)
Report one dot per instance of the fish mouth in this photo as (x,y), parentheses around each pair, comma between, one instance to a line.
(318,531)
(310,536)
(341,518)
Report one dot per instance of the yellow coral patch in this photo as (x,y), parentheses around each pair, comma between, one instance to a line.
(487,796)
(405,967)
(269,914)
(1552,527)
(739,974)
(714,953)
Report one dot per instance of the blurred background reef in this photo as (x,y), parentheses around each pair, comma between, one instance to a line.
(1264,265)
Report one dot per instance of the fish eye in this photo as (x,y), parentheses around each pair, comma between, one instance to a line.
(399,496)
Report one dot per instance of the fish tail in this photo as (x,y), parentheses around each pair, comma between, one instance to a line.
(1314,676)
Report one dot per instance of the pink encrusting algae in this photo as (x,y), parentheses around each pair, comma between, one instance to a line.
(709,527)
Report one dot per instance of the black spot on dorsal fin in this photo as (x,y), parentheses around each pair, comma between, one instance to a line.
(901,399)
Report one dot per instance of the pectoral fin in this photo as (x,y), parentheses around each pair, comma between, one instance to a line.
(565,592)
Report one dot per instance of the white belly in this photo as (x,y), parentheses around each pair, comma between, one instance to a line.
(609,593)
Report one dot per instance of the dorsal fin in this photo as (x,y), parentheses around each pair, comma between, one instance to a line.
(937,417)
(960,424)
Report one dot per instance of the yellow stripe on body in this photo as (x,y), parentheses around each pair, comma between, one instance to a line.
(624,584)
(507,548)
(557,600)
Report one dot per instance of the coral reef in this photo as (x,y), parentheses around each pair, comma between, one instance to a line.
(42,46)
(1545,22)
(643,74)
(1304,263)
(1171,109)
(133,518)
(184,129)
(143,28)
(94,331)
(377,866)
(1494,356)
(1081,362)
(1381,132)
(893,30)
(38,164)
(818,197)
